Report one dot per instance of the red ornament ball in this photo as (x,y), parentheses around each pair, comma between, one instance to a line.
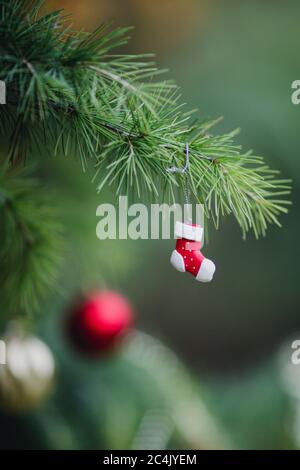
(98,322)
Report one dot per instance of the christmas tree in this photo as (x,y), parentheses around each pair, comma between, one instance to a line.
(72,99)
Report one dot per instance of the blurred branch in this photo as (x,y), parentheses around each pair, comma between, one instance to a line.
(188,412)
(29,245)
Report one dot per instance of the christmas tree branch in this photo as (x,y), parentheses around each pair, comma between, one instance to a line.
(66,91)
(29,242)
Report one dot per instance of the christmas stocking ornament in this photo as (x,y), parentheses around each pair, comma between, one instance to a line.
(187,255)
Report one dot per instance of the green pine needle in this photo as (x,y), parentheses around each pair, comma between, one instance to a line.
(68,92)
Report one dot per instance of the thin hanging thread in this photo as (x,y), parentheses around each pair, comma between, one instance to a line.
(184,171)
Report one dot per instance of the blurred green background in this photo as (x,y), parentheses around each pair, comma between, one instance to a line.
(235,59)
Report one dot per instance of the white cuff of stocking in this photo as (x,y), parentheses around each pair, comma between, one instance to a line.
(188,231)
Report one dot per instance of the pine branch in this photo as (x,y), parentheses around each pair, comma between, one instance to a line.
(29,242)
(68,93)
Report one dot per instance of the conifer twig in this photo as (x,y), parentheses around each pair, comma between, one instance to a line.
(67,91)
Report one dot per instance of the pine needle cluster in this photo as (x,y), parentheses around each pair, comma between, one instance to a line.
(70,94)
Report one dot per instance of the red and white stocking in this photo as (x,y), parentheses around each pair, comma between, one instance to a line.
(187,255)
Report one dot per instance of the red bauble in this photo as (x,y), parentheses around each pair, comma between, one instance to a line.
(97,323)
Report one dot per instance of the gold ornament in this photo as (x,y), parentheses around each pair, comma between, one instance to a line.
(27,376)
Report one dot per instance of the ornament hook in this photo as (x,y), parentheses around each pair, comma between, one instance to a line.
(185,168)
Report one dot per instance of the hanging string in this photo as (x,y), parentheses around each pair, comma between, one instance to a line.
(185,172)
